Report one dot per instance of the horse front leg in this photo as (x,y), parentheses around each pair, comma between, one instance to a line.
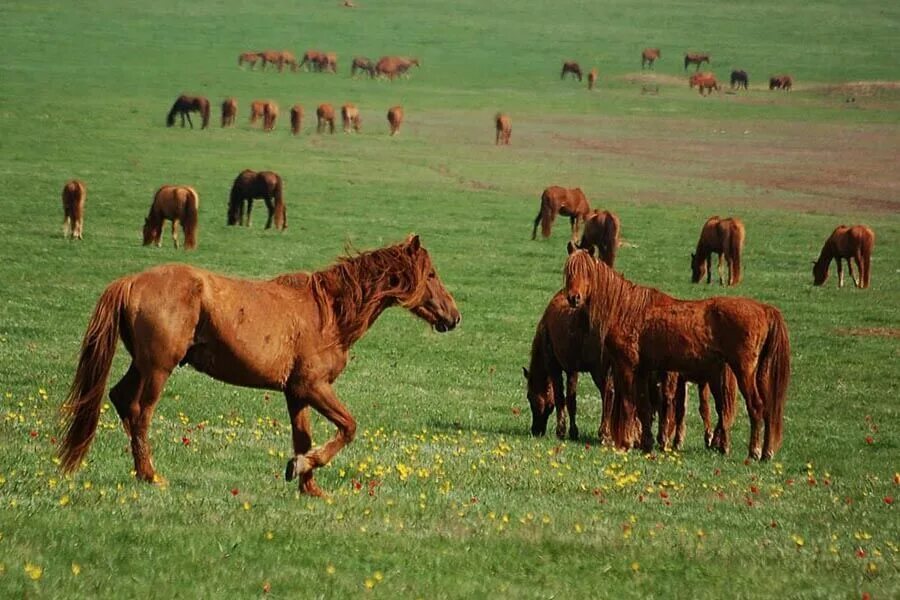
(856,281)
(719,269)
(840,270)
(175,232)
(249,210)
(301,435)
(680,410)
(643,387)
(271,209)
(709,269)
(191,123)
(571,402)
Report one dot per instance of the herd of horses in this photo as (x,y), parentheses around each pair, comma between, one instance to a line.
(327,62)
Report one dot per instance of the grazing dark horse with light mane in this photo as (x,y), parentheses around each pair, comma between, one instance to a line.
(601,230)
(184,106)
(739,79)
(693,58)
(229,112)
(291,334)
(649,56)
(781,82)
(724,237)
(179,204)
(503,127)
(73,197)
(249,185)
(568,202)
(845,242)
(647,331)
(570,66)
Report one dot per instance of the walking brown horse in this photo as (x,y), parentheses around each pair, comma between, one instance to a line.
(395,118)
(249,185)
(179,204)
(229,112)
(184,106)
(361,63)
(503,126)
(350,118)
(325,118)
(393,66)
(856,242)
(647,331)
(592,78)
(725,237)
(739,79)
(694,58)
(74,194)
(570,66)
(257,111)
(270,115)
(781,82)
(291,334)
(555,200)
(704,82)
(249,57)
(296,118)
(601,230)
(649,56)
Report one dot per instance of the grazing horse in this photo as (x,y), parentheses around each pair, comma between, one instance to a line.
(592,78)
(725,237)
(350,118)
(325,117)
(257,111)
(646,331)
(740,79)
(570,66)
(704,82)
(503,125)
(395,118)
(326,62)
(291,334)
(296,118)
(270,115)
(184,106)
(249,185)
(781,82)
(229,112)
(249,57)
(73,196)
(845,242)
(649,56)
(287,58)
(271,57)
(392,66)
(361,63)
(179,204)
(601,230)
(692,58)
(312,60)
(555,200)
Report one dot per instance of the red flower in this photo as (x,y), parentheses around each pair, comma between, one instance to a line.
(33,433)
(860,553)
(717,472)
(356,485)
(663,494)
(870,440)
(235,491)
(773,524)
(186,441)
(811,481)
(516,412)
(474,499)
(754,489)
(888,499)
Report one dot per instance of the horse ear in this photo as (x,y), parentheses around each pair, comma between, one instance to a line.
(525,372)
(413,244)
(571,247)
(592,250)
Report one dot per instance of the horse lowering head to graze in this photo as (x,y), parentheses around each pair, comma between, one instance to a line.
(179,204)
(726,238)
(781,82)
(291,334)
(570,66)
(503,125)
(271,57)
(649,56)
(601,230)
(296,118)
(361,63)
(310,60)
(249,57)
(350,118)
(287,58)
(856,242)
(257,111)
(392,66)
(270,114)
(74,194)
(740,79)
(327,62)
(184,106)
(705,82)
(229,112)
(693,58)
(569,202)
(395,118)
(324,118)
(592,78)
(249,185)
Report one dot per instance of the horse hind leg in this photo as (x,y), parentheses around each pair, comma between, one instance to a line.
(857,281)
(719,269)
(175,232)
(125,397)
(301,434)
(271,208)
(249,211)
(150,389)
(755,408)
(840,270)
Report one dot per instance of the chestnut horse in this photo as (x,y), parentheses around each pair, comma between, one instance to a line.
(325,118)
(646,331)
(229,112)
(693,58)
(395,118)
(601,230)
(249,57)
(184,106)
(296,118)
(179,204)
(361,63)
(845,242)
(326,61)
(673,405)
(291,334)
(257,111)
(725,237)
(592,78)
(73,196)
(570,66)
(781,82)
(555,200)
(740,79)
(392,66)
(249,185)
(270,115)
(704,82)
(350,118)
(310,60)
(503,126)
(649,56)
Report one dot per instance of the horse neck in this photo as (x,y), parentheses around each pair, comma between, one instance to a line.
(615,302)
(703,249)
(826,254)
(538,375)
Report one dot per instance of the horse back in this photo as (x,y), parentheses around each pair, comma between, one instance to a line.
(568,334)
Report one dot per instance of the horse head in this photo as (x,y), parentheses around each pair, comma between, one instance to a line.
(152,232)
(698,268)
(820,272)
(540,399)
(430,301)
(578,274)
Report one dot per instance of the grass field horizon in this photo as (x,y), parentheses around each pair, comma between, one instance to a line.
(444,493)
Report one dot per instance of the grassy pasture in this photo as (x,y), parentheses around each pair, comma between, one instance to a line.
(444,494)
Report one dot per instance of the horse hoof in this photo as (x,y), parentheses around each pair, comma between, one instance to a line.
(755,454)
(297,466)
(309,487)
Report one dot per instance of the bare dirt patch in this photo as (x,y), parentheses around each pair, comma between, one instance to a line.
(888,332)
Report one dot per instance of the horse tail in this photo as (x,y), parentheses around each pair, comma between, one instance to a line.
(735,249)
(773,376)
(280,209)
(204,112)
(82,406)
(868,244)
(612,240)
(190,218)
(548,214)
(170,118)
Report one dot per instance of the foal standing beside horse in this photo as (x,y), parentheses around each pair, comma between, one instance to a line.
(724,237)
(73,196)
(570,203)
(179,204)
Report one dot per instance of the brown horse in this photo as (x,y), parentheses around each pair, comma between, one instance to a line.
(693,58)
(725,237)
(673,405)
(287,58)
(393,66)
(647,331)
(781,82)
(271,57)
(350,118)
(503,125)
(395,118)
(310,60)
(249,57)
(229,112)
(592,78)
(570,66)
(179,204)
(327,62)
(325,118)
(249,185)
(739,79)
(555,200)
(73,197)
(296,118)
(291,334)
(361,63)
(257,111)
(704,82)
(845,242)
(184,106)
(649,56)
(270,115)
(601,230)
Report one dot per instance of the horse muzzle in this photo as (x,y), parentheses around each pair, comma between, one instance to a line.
(445,324)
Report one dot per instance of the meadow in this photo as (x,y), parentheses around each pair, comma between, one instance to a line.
(444,493)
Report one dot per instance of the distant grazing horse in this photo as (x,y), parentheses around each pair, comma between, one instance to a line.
(73,197)
(649,56)
(739,79)
(724,237)
(296,118)
(392,66)
(395,118)
(555,200)
(257,111)
(592,78)
(692,58)
(350,118)
(781,82)
(249,57)
(325,118)
(229,112)
(601,230)
(288,58)
(570,66)
(185,105)
(327,62)
(856,242)
(361,63)
(271,57)
(704,82)
(647,331)
(310,60)
(249,185)
(270,115)
(179,204)
(503,125)
(291,334)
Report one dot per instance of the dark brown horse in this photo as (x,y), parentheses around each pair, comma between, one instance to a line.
(184,106)
(673,405)
(725,237)
(325,118)
(649,56)
(296,118)
(570,66)
(350,118)
(845,242)
(179,204)
(693,58)
(503,127)
(592,78)
(601,230)
(395,118)
(250,58)
(646,331)
(291,334)
(74,194)
(705,82)
(740,79)
(229,112)
(781,82)
(568,202)
(270,115)
(361,63)
(249,185)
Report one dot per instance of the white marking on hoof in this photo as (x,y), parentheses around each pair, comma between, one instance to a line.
(297,466)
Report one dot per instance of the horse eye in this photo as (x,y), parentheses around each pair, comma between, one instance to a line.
(432,275)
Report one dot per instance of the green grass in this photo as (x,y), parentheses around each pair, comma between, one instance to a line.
(444,494)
